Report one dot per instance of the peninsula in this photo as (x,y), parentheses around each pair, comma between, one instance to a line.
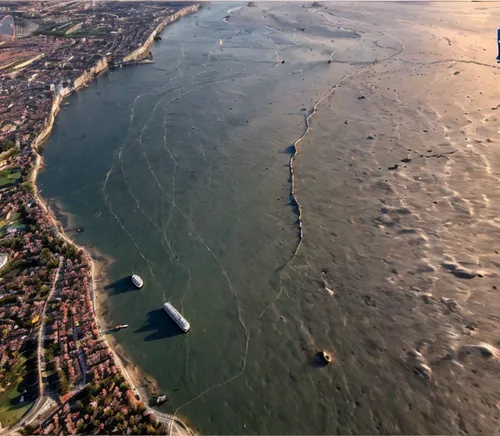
(58,373)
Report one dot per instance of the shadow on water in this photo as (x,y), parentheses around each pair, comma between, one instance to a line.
(160,325)
(317,361)
(290,150)
(120,286)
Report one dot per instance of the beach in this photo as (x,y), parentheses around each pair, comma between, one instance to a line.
(297,179)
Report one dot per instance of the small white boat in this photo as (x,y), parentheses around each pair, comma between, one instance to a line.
(177,317)
(137,281)
(161,399)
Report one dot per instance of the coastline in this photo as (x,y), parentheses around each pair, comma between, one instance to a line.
(141,384)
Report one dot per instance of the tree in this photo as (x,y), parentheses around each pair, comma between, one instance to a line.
(29,429)
(53,263)
(63,383)
(49,355)
(7,145)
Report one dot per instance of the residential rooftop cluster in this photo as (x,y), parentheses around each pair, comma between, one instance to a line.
(105,407)
(75,349)
(48,330)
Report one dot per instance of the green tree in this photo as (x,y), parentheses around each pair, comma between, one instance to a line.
(64,385)
(29,429)
(7,145)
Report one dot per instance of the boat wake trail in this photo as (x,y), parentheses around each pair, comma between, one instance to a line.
(175,206)
(108,203)
(105,186)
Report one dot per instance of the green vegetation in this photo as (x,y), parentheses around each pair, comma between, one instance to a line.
(9,176)
(48,373)
(8,299)
(9,415)
(6,145)
(63,383)
(49,32)
(10,412)
(9,153)
(86,33)
(28,187)
(78,34)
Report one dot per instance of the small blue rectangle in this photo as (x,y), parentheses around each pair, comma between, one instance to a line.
(498,41)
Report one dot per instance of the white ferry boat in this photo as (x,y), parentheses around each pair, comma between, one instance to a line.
(137,281)
(177,317)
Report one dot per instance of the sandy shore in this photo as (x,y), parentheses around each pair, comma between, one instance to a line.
(142,384)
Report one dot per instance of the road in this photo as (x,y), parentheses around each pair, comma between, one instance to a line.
(174,425)
(43,405)
(41,331)
(40,410)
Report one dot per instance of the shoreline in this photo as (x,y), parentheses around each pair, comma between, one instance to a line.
(141,384)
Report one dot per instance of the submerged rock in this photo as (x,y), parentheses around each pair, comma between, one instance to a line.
(323,357)
(484,350)
(450,304)
(463,273)
(419,364)
(427,298)
(424,371)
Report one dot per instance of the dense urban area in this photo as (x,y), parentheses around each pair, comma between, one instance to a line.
(57,372)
